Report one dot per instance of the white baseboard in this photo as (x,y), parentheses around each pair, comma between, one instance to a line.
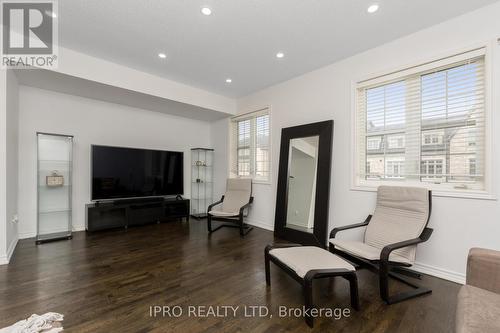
(439,273)
(31,234)
(4,259)
(259,224)
(12,247)
(78,228)
(25,235)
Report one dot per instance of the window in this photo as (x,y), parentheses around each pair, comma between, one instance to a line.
(394,168)
(396,141)
(425,124)
(432,137)
(375,167)
(250,148)
(373,143)
(432,169)
(472,166)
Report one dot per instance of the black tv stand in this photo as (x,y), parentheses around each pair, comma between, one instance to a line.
(134,212)
(137,200)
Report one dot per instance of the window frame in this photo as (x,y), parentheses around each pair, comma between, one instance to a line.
(418,66)
(233,144)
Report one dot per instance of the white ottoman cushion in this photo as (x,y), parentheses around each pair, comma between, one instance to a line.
(303,259)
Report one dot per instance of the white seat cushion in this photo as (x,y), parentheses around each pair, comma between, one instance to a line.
(363,250)
(303,259)
(223,214)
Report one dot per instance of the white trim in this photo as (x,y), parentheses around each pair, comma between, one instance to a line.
(5,259)
(266,109)
(489,104)
(425,59)
(26,235)
(259,224)
(429,65)
(261,182)
(250,114)
(439,272)
(489,59)
(12,247)
(32,234)
(481,195)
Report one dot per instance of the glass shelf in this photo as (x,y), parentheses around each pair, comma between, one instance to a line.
(55,155)
(54,222)
(201,192)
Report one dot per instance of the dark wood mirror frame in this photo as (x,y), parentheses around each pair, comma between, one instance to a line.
(324,130)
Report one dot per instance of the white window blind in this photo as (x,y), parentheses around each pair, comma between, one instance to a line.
(250,146)
(424,125)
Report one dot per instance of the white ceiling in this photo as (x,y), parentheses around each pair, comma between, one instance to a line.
(240,39)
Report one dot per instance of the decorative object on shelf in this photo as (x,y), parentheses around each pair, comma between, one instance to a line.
(54,211)
(201,184)
(55,179)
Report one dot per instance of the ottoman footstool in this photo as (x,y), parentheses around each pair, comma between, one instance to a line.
(306,263)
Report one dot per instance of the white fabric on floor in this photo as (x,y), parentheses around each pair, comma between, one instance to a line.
(46,323)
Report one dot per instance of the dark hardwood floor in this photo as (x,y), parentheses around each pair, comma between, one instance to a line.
(106,282)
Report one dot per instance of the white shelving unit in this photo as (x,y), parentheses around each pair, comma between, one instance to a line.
(202,161)
(55,168)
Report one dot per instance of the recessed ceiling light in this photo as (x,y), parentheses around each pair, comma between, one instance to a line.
(228,80)
(373,8)
(280,55)
(162,55)
(206,11)
(52,14)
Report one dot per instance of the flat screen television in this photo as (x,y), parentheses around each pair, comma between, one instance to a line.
(119,173)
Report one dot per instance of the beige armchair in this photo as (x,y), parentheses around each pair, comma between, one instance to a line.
(391,236)
(478,308)
(232,206)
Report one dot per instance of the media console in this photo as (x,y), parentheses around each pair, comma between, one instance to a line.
(125,213)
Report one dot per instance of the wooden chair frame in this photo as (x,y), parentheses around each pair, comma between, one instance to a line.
(237,221)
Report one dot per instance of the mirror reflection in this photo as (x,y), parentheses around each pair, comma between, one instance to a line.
(302,170)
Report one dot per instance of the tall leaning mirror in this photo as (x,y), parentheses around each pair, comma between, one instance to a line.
(302,201)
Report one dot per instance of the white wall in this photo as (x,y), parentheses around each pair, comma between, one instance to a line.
(3,167)
(220,138)
(327,94)
(12,121)
(92,122)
